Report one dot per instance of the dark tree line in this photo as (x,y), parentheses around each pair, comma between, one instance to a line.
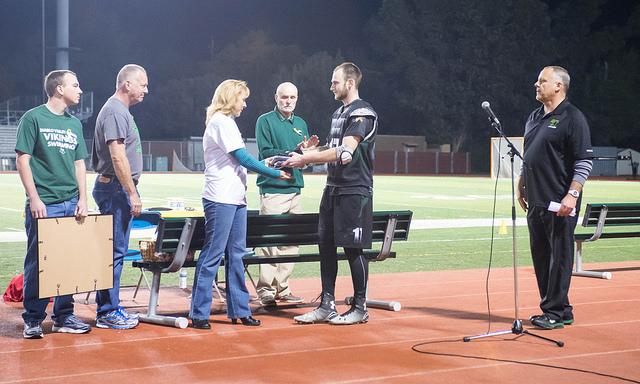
(428,64)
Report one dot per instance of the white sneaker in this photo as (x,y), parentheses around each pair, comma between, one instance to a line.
(352,316)
(318,315)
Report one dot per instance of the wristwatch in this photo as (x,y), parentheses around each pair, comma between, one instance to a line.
(574,193)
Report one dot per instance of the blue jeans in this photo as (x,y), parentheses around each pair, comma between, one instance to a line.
(226,234)
(34,308)
(112,199)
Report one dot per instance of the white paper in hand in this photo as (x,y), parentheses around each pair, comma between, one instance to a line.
(555,207)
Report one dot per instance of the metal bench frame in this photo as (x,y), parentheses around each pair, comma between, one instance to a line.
(604,220)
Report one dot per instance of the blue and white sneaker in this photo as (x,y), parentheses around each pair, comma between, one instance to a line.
(33,330)
(71,324)
(115,320)
(133,316)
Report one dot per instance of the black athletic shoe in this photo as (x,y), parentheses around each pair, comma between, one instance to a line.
(546,322)
(565,320)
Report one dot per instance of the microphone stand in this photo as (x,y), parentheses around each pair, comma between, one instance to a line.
(516,327)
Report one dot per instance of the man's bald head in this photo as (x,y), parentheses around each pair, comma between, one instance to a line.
(286,98)
(287,87)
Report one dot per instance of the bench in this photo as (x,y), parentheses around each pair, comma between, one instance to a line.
(618,219)
(179,236)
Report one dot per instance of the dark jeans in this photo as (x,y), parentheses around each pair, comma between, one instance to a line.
(552,251)
(112,199)
(34,308)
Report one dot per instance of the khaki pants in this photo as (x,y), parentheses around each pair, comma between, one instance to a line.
(274,278)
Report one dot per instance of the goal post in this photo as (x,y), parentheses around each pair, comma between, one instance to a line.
(500,159)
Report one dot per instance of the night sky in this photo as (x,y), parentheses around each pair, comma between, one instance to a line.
(189,46)
(170,36)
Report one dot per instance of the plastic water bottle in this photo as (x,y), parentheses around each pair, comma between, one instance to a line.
(182,280)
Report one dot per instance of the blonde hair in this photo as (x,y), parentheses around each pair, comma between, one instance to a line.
(225,96)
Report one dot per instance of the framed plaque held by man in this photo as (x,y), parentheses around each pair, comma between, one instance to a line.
(74,256)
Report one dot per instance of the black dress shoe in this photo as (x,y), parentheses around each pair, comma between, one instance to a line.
(248,321)
(200,324)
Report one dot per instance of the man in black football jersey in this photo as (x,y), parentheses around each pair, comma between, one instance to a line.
(557,163)
(346,208)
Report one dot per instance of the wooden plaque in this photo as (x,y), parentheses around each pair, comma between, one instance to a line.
(74,257)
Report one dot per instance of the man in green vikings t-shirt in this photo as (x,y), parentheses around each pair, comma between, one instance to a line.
(279,132)
(50,160)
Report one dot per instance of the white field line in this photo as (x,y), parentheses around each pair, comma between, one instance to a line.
(463,223)
(11,209)
(8,237)
(15,237)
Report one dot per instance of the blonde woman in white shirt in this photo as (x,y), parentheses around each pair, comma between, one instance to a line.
(225,206)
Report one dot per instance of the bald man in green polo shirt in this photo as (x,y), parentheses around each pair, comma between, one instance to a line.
(279,132)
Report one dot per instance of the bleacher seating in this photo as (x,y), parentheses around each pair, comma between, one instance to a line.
(8,140)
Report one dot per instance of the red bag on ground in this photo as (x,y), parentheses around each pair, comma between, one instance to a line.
(14,290)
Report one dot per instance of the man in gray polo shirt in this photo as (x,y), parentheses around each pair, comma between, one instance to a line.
(117,160)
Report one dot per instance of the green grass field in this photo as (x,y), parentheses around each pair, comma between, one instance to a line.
(428,197)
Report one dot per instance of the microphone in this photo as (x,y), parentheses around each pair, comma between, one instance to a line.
(492,116)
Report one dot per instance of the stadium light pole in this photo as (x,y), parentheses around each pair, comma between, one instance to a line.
(43,49)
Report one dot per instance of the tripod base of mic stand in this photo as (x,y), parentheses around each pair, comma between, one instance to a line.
(516,329)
